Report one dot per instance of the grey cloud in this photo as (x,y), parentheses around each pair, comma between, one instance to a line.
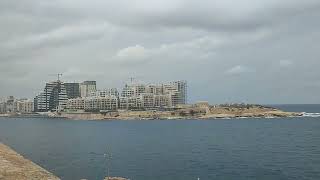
(210,15)
(214,15)
(239,69)
(285,63)
(236,50)
(62,35)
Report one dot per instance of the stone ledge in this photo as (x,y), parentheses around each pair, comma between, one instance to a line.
(13,166)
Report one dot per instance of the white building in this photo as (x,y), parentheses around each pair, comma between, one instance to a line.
(87,87)
(13,105)
(105,92)
(162,101)
(128,102)
(3,108)
(146,101)
(101,103)
(76,104)
(128,91)
(24,106)
(133,96)
(154,95)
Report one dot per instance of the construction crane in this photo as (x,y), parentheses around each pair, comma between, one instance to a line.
(136,79)
(58,75)
(132,79)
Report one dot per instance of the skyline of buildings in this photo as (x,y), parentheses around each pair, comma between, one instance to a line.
(133,96)
(13,105)
(66,96)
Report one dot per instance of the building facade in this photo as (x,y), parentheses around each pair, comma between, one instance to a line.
(76,104)
(105,92)
(155,95)
(132,97)
(101,103)
(87,87)
(13,105)
(72,90)
(53,98)
(24,106)
(3,108)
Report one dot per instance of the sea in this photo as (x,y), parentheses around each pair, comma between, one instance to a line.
(224,149)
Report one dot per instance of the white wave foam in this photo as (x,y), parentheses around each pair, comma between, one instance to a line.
(305,114)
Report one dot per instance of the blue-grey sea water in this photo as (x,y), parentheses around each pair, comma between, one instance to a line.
(241,149)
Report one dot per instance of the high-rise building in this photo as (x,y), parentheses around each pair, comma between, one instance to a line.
(3,108)
(54,97)
(181,86)
(73,90)
(87,87)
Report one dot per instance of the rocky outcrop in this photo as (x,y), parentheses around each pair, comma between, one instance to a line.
(193,112)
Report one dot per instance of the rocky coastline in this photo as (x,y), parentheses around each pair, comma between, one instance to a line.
(201,113)
(13,166)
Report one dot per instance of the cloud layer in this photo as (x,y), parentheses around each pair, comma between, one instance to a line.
(245,51)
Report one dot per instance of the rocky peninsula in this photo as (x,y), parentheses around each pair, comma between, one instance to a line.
(197,111)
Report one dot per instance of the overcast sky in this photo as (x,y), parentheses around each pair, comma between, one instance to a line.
(254,51)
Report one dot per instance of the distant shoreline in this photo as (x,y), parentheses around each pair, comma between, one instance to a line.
(200,113)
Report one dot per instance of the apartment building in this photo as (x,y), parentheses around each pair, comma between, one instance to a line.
(161,101)
(72,90)
(13,105)
(3,107)
(53,98)
(87,87)
(101,103)
(133,96)
(105,92)
(24,106)
(76,104)
(167,94)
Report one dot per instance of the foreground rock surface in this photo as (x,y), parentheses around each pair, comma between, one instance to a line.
(13,166)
